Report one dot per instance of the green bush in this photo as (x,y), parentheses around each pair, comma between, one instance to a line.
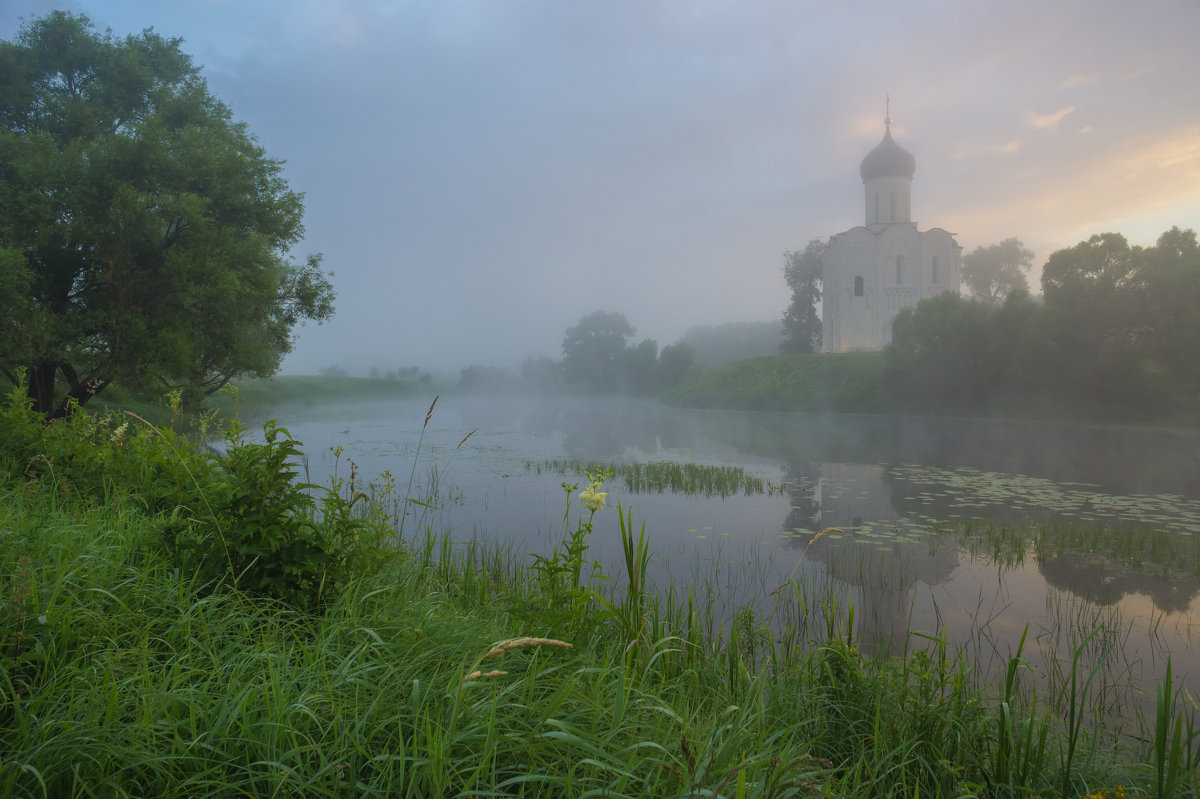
(241,518)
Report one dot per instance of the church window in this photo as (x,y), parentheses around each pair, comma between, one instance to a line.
(876,219)
(892,212)
(933,273)
(899,269)
(858,286)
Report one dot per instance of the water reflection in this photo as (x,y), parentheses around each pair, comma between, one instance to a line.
(843,517)
(1115,460)
(886,484)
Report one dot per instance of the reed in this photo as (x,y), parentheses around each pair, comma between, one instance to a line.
(677,477)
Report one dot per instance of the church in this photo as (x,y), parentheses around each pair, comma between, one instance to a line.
(872,271)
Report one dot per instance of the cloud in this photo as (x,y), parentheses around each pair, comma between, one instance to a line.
(1154,178)
(1044,121)
(1078,80)
(969,150)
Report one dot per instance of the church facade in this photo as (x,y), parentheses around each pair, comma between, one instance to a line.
(873,271)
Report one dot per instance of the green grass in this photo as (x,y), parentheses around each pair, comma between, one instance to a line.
(842,383)
(121,674)
(256,395)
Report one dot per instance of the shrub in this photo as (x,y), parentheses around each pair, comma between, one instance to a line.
(241,519)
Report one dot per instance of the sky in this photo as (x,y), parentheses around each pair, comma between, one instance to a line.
(481,174)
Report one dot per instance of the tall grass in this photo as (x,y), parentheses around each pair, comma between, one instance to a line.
(124,675)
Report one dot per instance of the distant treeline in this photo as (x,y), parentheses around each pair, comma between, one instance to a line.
(1115,336)
(597,359)
(600,358)
(716,346)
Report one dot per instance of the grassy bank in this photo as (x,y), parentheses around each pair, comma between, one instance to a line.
(255,395)
(844,383)
(139,658)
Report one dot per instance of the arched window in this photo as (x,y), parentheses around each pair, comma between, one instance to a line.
(933,274)
(858,286)
(892,217)
(899,269)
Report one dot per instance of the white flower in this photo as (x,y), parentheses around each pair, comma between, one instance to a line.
(592,499)
(119,434)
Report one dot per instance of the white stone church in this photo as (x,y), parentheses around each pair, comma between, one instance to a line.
(874,270)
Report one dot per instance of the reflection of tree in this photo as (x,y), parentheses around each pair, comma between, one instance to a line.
(1114,460)
(801,481)
(1097,564)
(598,429)
(608,429)
(1106,583)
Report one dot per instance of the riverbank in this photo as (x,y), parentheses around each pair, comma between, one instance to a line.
(857,383)
(850,383)
(127,675)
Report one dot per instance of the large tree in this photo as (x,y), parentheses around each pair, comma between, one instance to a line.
(1123,319)
(992,273)
(1168,288)
(144,234)
(802,270)
(594,352)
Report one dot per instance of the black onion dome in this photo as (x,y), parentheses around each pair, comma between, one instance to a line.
(888,160)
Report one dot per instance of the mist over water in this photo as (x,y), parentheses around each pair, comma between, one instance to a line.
(886,491)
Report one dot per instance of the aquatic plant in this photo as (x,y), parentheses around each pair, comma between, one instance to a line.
(678,477)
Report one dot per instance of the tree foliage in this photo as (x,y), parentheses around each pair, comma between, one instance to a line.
(954,354)
(594,348)
(992,273)
(1115,336)
(676,362)
(145,233)
(801,324)
(596,358)
(714,346)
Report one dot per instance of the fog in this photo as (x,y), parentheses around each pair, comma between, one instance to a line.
(480,175)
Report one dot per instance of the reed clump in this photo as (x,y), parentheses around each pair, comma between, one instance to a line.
(677,477)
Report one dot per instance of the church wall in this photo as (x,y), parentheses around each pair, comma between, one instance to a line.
(864,322)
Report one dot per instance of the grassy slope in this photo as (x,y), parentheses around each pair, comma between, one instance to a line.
(849,383)
(124,678)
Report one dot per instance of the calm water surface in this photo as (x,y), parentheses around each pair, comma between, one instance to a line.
(885,490)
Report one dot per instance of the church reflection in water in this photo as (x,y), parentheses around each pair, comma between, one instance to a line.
(867,545)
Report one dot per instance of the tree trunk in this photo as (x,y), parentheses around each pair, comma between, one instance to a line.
(41,387)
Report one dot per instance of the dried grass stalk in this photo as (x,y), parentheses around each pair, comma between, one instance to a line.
(524,643)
